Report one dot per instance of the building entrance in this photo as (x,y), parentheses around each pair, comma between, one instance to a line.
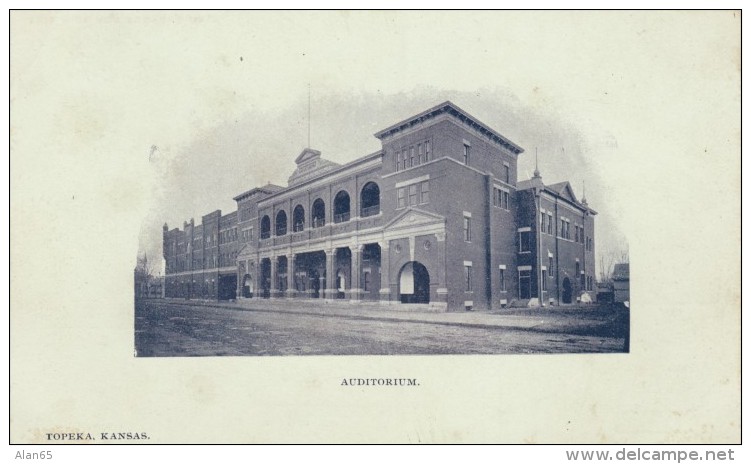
(414,283)
(566,297)
(227,287)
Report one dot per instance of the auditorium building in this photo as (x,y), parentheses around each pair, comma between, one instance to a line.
(434,220)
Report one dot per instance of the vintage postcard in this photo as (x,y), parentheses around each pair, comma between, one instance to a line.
(375,226)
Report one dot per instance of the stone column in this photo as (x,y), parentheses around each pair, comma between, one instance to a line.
(355,290)
(385,274)
(274,292)
(330,276)
(291,290)
(254,268)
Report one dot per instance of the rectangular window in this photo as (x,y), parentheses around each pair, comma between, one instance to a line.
(396,161)
(412,161)
(525,241)
(550,224)
(467,229)
(544,280)
(427,150)
(468,278)
(424,192)
(542,221)
(401,200)
(420,153)
(502,279)
(576,233)
(550,266)
(505,199)
(496,197)
(466,154)
(413,194)
(366,281)
(507,173)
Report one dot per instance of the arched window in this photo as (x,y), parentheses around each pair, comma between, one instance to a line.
(281,223)
(341,207)
(319,213)
(265,227)
(370,200)
(298,219)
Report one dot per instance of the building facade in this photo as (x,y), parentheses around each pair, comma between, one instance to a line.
(435,218)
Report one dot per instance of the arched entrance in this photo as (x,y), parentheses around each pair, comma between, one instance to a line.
(414,283)
(247,288)
(566,297)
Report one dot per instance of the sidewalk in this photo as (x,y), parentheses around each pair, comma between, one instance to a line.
(540,320)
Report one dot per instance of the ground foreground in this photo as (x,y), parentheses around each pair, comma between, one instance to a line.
(180,328)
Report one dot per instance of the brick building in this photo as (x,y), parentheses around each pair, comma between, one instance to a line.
(435,217)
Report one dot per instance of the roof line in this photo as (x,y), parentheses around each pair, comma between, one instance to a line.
(450,108)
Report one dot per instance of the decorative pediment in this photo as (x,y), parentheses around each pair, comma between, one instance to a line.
(246,252)
(414,217)
(307,155)
(310,165)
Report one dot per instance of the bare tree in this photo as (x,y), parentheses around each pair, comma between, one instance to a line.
(144,268)
(609,258)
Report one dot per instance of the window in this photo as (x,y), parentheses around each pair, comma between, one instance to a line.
(366,281)
(467,229)
(427,150)
(466,153)
(370,200)
(502,279)
(525,241)
(507,173)
(550,223)
(544,281)
(468,278)
(412,161)
(576,233)
(265,227)
(542,221)
(400,197)
(550,266)
(413,194)
(500,198)
(577,268)
(424,192)
(404,155)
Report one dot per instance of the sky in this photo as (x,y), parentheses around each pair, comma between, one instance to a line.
(610,99)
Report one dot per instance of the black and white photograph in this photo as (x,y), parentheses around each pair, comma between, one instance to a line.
(375,226)
(433,244)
